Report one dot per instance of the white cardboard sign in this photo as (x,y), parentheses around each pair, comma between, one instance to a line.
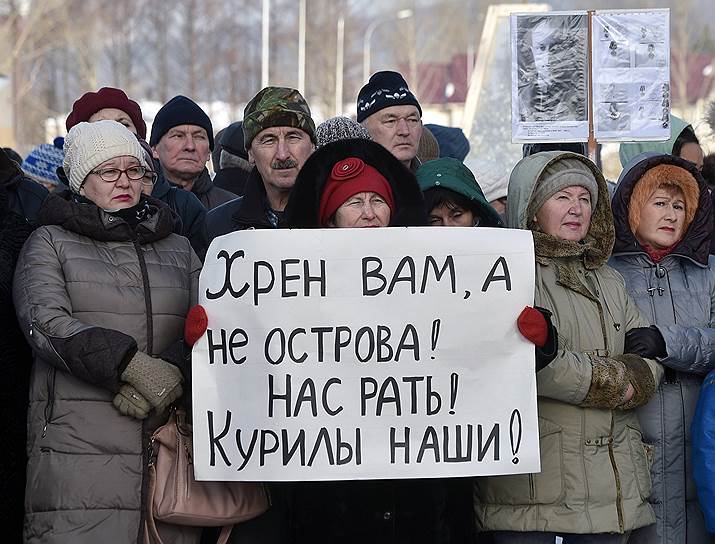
(338,354)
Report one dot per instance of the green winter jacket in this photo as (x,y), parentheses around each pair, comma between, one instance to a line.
(628,151)
(594,467)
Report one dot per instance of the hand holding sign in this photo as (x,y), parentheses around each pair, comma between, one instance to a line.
(196,324)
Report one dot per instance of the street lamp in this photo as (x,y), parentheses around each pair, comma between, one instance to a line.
(339,66)
(265,42)
(402,14)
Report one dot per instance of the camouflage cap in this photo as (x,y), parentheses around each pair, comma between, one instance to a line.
(276,107)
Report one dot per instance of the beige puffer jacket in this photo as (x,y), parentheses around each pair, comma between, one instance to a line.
(594,467)
(89,291)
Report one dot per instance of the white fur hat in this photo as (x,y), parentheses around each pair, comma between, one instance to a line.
(88,145)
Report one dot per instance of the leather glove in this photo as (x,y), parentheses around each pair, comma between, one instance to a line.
(156,380)
(131,403)
(645,341)
(196,324)
(536,326)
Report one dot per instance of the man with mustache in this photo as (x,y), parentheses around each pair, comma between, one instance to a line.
(279,135)
(392,115)
(181,140)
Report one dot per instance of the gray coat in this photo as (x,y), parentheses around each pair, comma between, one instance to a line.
(678,296)
(89,291)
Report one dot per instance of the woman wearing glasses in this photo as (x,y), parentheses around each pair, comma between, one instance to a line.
(101,291)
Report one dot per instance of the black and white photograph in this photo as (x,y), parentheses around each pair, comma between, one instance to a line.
(551,67)
(650,55)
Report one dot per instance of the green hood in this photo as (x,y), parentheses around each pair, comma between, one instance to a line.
(596,247)
(630,150)
(452,174)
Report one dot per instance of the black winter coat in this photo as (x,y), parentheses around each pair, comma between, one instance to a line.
(15,363)
(249,211)
(24,196)
(208,194)
(187,206)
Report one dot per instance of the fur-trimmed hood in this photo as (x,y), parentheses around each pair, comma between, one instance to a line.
(596,246)
(302,208)
(695,244)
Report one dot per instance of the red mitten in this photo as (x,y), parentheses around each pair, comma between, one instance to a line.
(195,325)
(532,325)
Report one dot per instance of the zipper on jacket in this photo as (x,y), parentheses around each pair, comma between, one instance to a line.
(50,406)
(619,492)
(51,376)
(532,493)
(150,349)
(147,298)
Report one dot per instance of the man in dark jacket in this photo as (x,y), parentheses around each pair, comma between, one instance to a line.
(182,138)
(392,115)
(109,103)
(279,136)
(24,196)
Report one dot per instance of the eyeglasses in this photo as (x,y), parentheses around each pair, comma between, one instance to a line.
(134,173)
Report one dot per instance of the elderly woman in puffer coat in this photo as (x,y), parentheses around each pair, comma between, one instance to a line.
(101,290)
(663,217)
(594,481)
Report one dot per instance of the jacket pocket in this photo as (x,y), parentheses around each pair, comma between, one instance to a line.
(545,487)
(642,458)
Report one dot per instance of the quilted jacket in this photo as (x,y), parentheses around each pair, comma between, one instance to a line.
(89,291)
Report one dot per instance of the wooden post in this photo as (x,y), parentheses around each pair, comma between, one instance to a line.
(591,135)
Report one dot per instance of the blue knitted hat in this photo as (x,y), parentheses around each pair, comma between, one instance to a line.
(42,162)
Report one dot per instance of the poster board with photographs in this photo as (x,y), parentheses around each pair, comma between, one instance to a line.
(631,75)
(549,76)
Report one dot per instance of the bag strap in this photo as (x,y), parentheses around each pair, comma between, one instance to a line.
(225,533)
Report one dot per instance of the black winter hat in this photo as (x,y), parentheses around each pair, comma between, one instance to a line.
(232,140)
(180,111)
(384,89)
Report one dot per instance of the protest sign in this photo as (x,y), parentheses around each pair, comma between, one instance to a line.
(550,77)
(336,354)
(631,74)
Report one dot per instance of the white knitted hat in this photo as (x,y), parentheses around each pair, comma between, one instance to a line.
(493,178)
(88,145)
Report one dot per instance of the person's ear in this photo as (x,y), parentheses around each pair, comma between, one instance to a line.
(251,160)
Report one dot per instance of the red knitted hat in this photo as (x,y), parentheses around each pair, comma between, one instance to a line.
(106,97)
(347,178)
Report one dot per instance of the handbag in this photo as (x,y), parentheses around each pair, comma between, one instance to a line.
(174,496)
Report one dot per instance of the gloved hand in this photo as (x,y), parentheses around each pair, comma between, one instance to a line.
(156,380)
(536,326)
(131,403)
(645,341)
(533,326)
(611,378)
(196,324)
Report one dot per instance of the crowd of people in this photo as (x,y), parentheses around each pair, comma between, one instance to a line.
(102,240)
